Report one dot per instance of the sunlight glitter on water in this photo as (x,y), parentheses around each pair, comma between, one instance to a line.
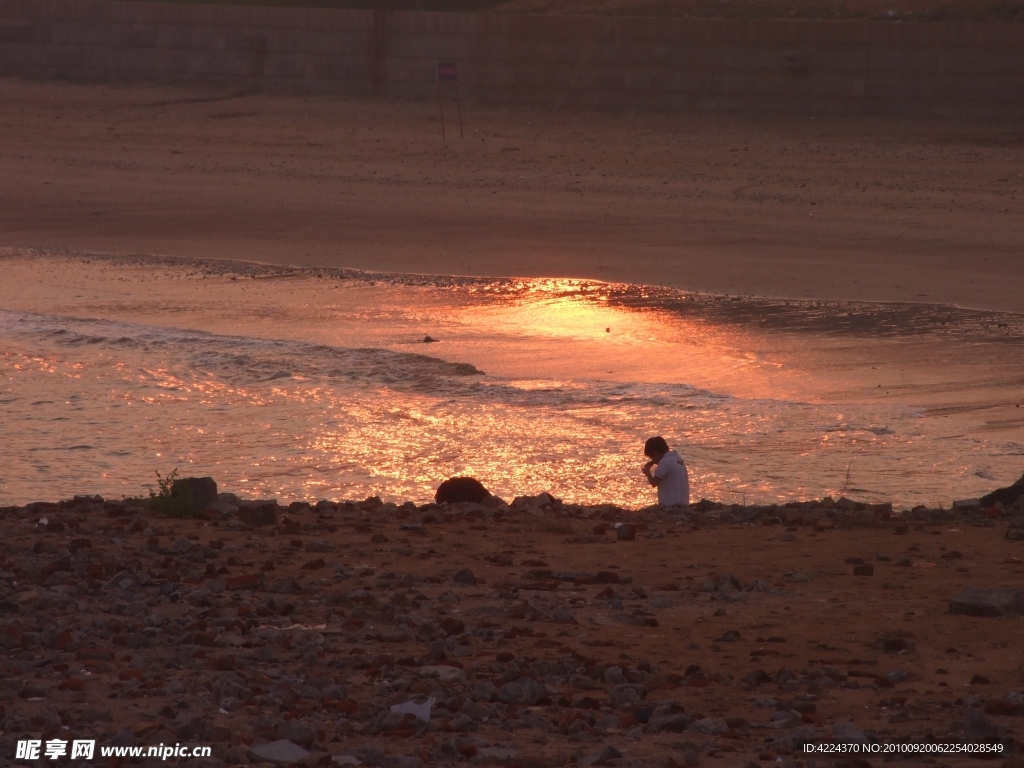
(304,385)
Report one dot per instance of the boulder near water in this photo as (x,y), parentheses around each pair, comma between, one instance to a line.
(456,490)
(202,491)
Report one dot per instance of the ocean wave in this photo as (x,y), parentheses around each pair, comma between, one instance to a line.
(248,360)
(239,359)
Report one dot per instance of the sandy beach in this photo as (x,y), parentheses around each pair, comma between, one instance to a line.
(824,209)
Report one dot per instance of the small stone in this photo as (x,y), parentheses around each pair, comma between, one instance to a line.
(864,570)
(465,578)
(675,723)
(452,626)
(244,581)
(296,731)
(976,601)
(280,752)
(978,728)
(626,696)
(183,546)
(709,726)
(76,544)
(484,691)
(525,691)
(625,532)
(602,757)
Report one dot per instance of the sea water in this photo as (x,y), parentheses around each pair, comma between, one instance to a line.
(301,383)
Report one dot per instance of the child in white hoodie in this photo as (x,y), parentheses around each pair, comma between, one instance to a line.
(669,473)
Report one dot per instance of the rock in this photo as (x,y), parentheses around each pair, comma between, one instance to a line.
(562,616)
(465,578)
(1015,534)
(444,673)
(625,532)
(296,731)
(258,513)
(456,490)
(709,726)
(757,677)
(626,696)
(76,544)
(484,691)
(237,755)
(200,491)
(978,728)
(183,546)
(976,601)
(963,504)
(320,546)
(848,733)
(244,581)
(602,757)
(1005,496)
(282,752)
(451,626)
(675,723)
(864,570)
(525,691)
(785,719)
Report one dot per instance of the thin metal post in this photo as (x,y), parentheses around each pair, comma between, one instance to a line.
(458,100)
(440,106)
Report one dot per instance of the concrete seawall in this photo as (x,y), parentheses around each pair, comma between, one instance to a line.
(961,70)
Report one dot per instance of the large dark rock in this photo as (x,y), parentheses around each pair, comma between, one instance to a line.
(201,491)
(1005,496)
(461,489)
(975,601)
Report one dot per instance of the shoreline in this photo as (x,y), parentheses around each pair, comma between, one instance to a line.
(272,270)
(821,514)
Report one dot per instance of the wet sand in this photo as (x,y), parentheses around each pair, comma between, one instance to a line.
(822,209)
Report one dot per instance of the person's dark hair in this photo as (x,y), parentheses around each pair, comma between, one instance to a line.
(655,445)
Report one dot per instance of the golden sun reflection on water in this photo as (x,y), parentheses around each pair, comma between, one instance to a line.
(325,388)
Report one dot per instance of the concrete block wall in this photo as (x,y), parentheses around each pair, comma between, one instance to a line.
(799,67)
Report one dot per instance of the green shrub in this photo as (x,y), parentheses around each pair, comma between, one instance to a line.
(167,502)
